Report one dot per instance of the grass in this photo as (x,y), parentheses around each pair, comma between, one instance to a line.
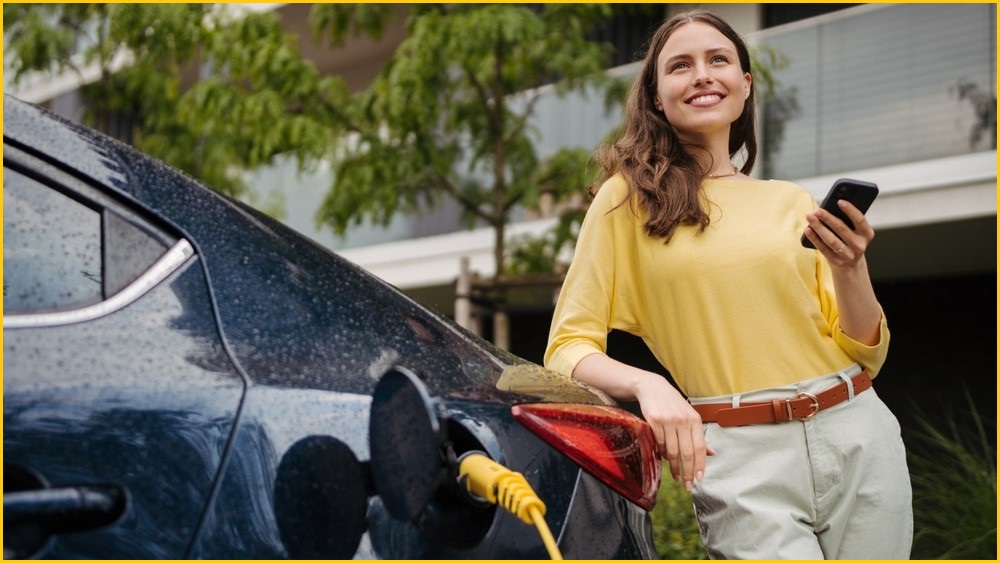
(953,470)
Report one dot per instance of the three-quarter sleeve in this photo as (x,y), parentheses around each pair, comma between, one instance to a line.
(584,310)
(870,356)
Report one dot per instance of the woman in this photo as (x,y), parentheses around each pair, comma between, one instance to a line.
(786,451)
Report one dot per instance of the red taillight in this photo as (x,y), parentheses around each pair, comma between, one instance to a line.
(611,444)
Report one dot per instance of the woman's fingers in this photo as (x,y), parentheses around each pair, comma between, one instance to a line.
(834,238)
(693,454)
(684,449)
(677,429)
(672,452)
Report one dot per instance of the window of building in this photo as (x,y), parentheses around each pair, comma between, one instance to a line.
(629,30)
(773,15)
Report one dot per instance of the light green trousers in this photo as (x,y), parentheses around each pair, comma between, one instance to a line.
(832,487)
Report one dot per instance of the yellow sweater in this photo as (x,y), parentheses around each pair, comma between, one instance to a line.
(741,306)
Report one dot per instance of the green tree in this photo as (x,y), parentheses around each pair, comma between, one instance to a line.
(450,116)
(192,82)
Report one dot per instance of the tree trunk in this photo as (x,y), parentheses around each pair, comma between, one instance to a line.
(463,298)
(501,323)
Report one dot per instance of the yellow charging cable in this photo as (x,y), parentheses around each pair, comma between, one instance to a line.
(495,483)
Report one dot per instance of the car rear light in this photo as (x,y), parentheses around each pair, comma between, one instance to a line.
(611,444)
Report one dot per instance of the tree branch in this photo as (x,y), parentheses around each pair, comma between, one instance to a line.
(467,203)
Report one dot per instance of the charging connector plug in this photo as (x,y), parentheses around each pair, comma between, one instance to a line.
(494,483)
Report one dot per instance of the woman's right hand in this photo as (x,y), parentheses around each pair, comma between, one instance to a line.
(680,436)
(676,426)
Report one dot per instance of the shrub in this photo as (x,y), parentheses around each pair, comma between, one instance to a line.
(675,529)
(954,475)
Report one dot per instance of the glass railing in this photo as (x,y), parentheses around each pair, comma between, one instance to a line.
(881,85)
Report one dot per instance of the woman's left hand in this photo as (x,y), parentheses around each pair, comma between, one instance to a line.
(841,246)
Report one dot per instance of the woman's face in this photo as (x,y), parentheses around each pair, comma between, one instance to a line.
(700,87)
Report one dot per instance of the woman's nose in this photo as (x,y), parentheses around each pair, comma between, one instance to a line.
(701,76)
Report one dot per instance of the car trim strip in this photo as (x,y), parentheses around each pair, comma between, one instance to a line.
(160,270)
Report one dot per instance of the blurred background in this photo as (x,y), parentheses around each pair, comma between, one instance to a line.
(445,148)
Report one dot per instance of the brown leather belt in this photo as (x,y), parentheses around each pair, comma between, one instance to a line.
(802,407)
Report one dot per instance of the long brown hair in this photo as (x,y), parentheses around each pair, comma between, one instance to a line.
(664,178)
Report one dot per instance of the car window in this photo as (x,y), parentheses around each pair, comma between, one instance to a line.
(128,252)
(51,248)
(60,254)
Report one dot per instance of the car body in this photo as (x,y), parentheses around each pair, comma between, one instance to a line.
(185,377)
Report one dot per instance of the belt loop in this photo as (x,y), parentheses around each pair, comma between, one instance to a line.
(736,401)
(850,385)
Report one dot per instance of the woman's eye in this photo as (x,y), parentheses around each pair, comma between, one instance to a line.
(719,59)
(679,66)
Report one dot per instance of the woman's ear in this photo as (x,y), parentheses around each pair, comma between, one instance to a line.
(748,81)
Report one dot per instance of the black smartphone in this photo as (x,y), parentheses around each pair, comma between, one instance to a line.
(861,194)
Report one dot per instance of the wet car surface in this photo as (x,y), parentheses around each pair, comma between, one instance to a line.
(185,377)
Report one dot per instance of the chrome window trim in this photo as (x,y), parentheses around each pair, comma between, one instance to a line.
(167,264)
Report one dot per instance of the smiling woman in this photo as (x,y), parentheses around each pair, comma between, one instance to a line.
(772,346)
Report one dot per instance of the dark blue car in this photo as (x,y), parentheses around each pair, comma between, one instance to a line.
(185,377)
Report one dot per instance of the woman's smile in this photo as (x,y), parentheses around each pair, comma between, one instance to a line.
(705,98)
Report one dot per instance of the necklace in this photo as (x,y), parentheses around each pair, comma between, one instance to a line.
(724,174)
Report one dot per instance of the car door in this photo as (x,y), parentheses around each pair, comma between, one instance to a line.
(119,396)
